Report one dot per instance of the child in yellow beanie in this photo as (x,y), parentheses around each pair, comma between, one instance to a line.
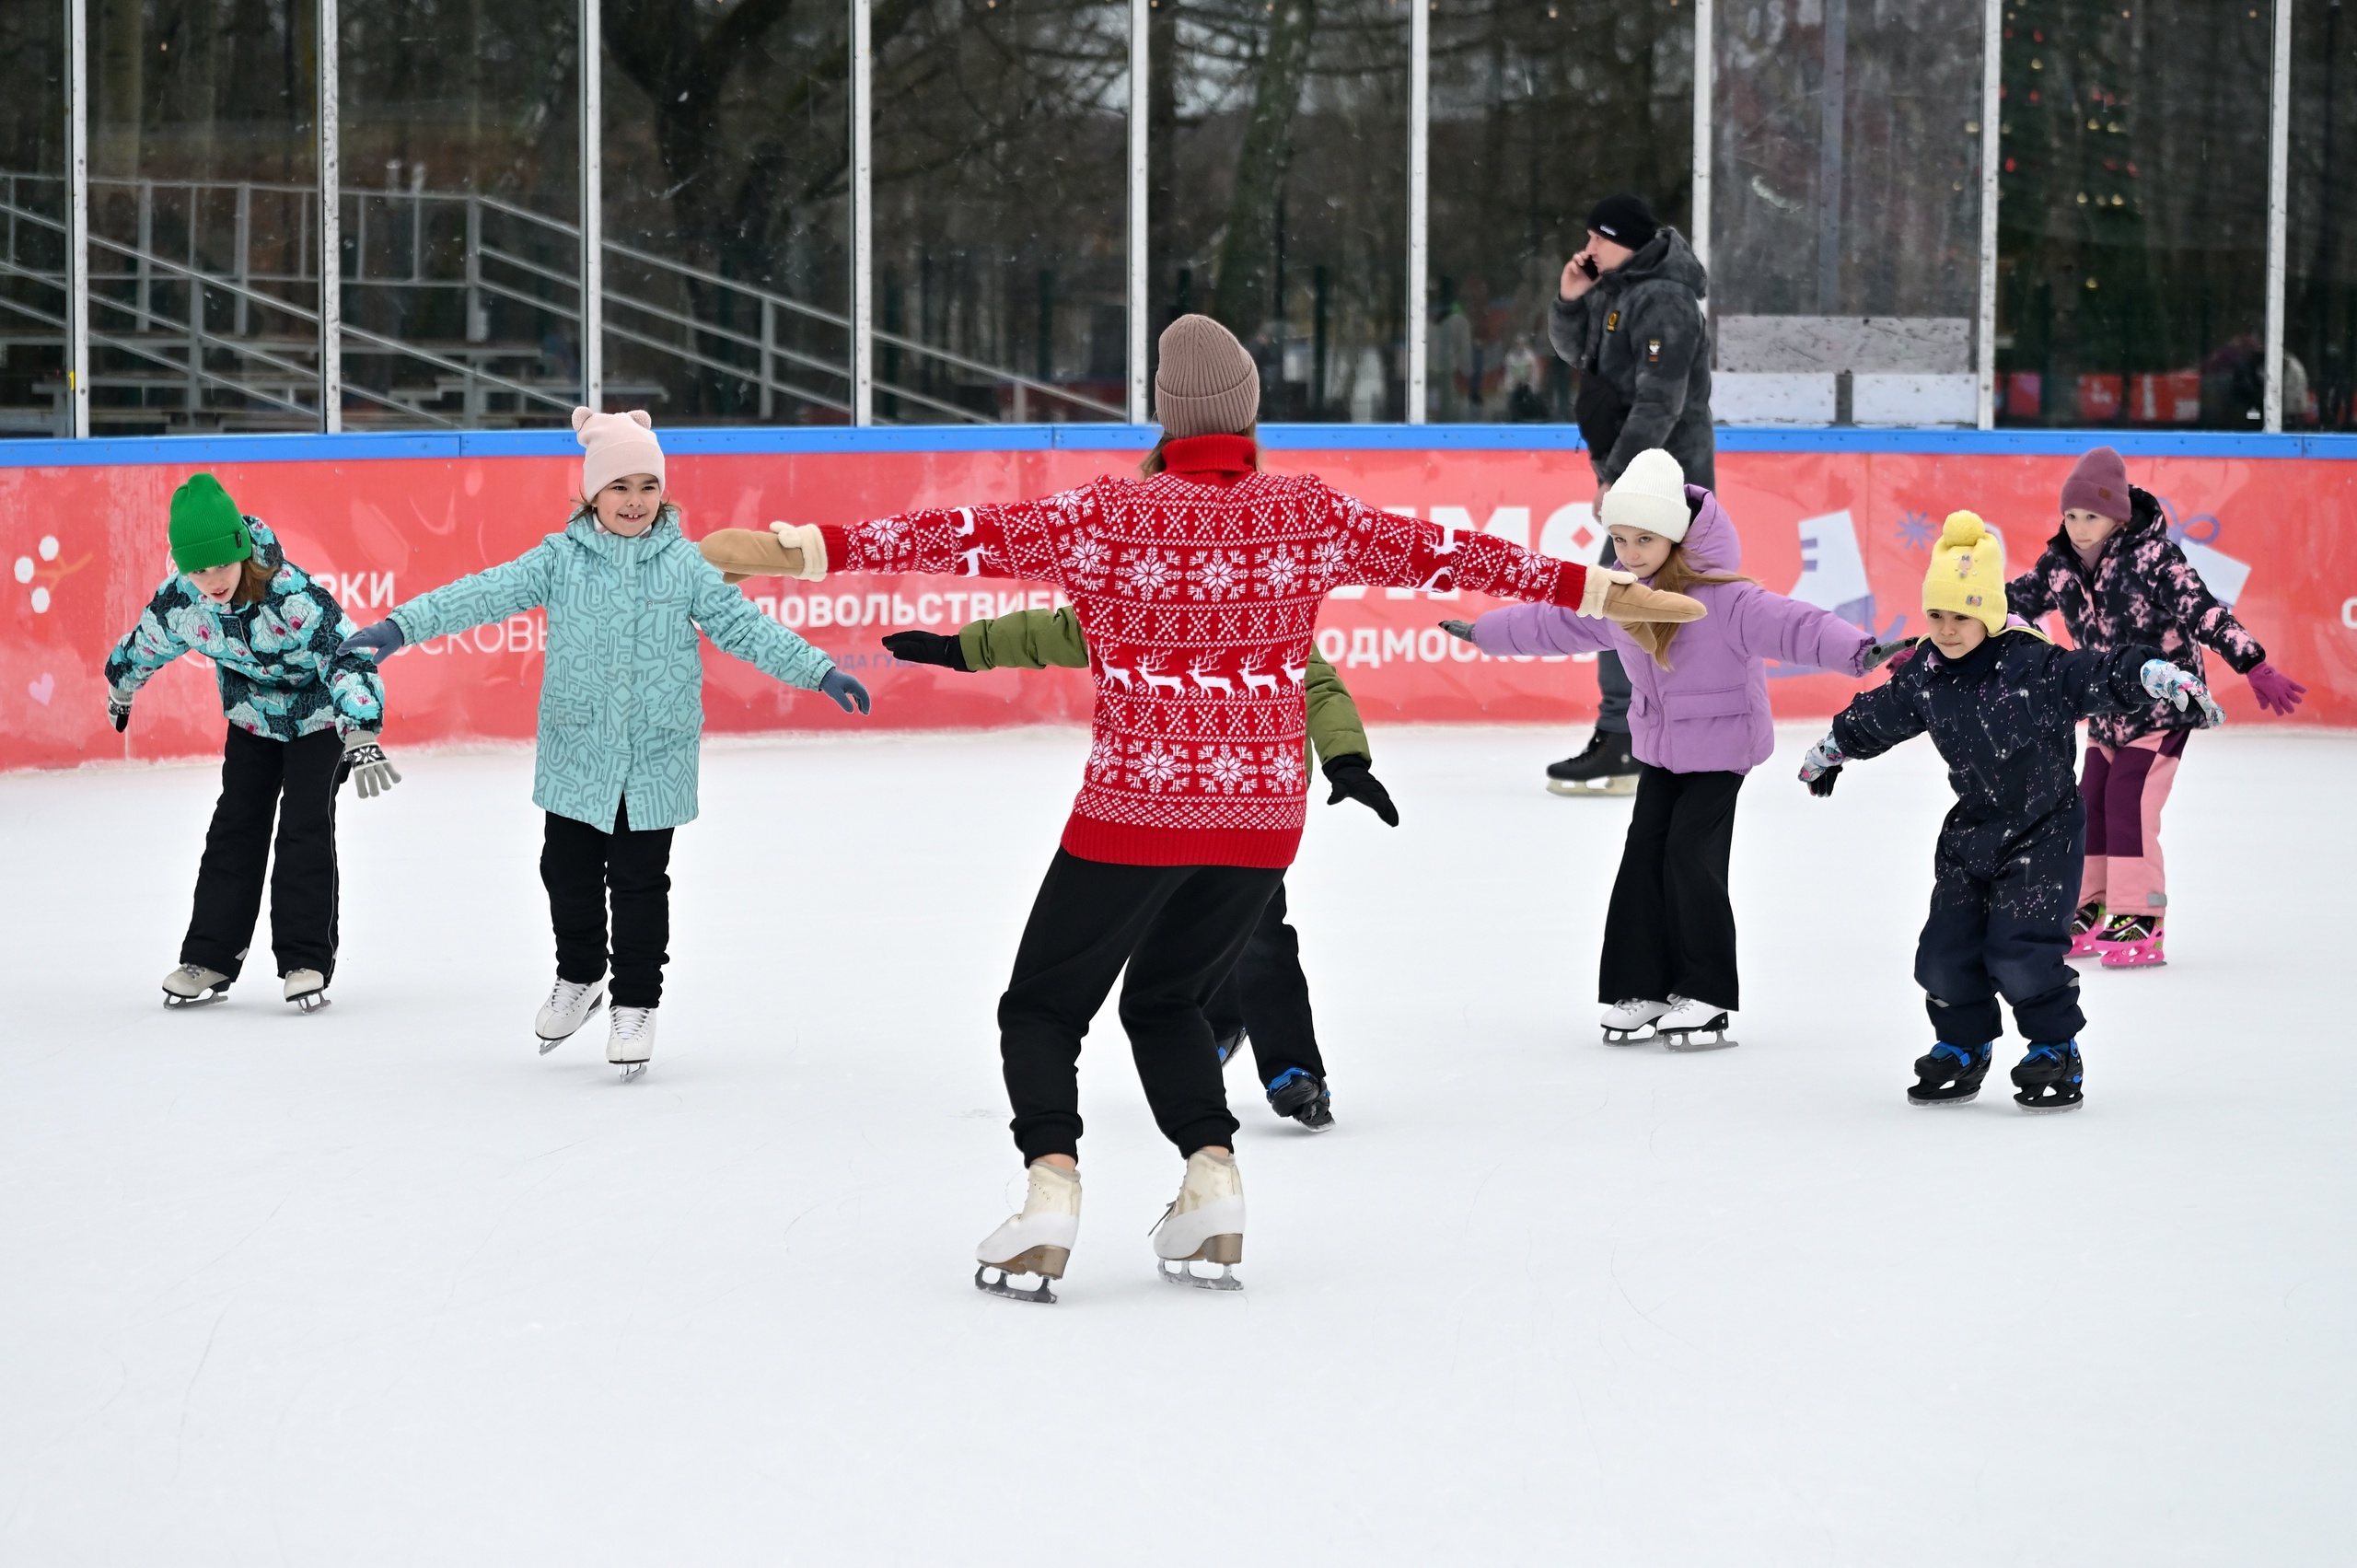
(2003,705)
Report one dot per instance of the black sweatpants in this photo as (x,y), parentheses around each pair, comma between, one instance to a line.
(1179,930)
(2006,936)
(579,865)
(1267,997)
(1671,929)
(294,782)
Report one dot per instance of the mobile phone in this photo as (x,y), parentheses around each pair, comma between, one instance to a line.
(1587,264)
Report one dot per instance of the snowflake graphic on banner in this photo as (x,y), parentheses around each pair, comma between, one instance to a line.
(1916,530)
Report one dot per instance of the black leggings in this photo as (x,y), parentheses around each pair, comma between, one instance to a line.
(1672,928)
(295,781)
(1179,929)
(579,865)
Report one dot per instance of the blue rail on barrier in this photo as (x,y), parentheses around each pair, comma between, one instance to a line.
(786,441)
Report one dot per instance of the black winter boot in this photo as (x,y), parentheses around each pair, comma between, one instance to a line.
(1607,767)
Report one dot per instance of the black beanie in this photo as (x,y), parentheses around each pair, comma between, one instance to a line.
(1624,220)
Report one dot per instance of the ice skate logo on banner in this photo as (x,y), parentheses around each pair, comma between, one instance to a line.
(2220,573)
(1833,578)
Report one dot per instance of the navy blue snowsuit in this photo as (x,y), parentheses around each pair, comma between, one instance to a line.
(2004,718)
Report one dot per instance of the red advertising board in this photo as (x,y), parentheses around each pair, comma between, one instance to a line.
(1850,530)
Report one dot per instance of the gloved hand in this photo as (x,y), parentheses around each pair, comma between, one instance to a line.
(365,760)
(1822,766)
(844,691)
(381,639)
(929,647)
(1893,654)
(1460,629)
(119,707)
(1351,778)
(2277,692)
(2177,687)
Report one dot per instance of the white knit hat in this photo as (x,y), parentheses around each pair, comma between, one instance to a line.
(615,446)
(1650,494)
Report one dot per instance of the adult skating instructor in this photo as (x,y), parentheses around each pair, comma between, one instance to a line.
(1197,586)
(1628,316)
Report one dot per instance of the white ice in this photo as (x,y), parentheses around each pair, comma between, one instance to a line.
(381,1284)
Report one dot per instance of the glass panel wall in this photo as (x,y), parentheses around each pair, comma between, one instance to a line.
(1845,237)
(2320,292)
(1278,140)
(1539,110)
(204,216)
(460,176)
(1001,200)
(2133,233)
(727,154)
(33,223)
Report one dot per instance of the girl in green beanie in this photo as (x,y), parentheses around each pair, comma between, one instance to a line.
(302,718)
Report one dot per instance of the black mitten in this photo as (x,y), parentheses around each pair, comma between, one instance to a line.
(928,647)
(1352,780)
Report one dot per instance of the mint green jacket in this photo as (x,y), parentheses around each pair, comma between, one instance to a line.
(622,697)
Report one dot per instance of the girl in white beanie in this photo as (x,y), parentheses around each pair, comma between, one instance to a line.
(622,713)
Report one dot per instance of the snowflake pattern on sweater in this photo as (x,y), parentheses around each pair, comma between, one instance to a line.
(1199,600)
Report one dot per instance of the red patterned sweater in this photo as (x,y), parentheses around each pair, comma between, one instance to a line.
(1198,591)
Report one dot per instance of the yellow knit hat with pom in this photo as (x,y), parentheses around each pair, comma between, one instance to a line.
(1968,575)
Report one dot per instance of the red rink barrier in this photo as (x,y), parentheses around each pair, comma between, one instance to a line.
(1846,530)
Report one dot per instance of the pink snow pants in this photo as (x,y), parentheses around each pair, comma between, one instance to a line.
(2124,789)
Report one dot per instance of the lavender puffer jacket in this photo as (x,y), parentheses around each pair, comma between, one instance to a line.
(1708,713)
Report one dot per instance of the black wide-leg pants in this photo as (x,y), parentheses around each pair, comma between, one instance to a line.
(1671,929)
(1179,929)
(292,783)
(1267,997)
(581,865)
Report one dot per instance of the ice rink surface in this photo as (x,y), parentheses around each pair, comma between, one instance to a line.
(383,1285)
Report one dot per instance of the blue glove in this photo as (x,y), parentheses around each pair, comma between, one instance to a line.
(381,639)
(844,691)
(1822,766)
(2176,687)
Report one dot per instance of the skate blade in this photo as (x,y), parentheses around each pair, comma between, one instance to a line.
(1005,1289)
(632,1070)
(312,1003)
(1580,786)
(1181,1272)
(1694,1039)
(206,1000)
(1929,1104)
(2050,1108)
(1629,1037)
(548,1045)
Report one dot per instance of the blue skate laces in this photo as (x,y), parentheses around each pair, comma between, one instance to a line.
(1964,1055)
(1287,1076)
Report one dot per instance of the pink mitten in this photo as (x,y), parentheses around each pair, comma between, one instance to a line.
(2276,692)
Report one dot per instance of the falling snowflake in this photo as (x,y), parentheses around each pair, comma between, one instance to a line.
(1157,768)
(1091,560)
(1916,530)
(1150,573)
(1230,769)
(1216,575)
(1280,570)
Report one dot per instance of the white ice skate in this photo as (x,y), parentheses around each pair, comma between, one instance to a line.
(1626,1023)
(1036,1243)
(567,1008)
(630,1040)
(1204,1225)
(308,989)
(1691,1025)
(193,985)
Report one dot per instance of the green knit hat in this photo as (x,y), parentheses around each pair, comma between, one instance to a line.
(206,527)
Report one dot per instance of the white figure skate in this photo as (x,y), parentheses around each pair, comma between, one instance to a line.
(193,985)
(567,1008)
(1630,1022)
(1691,1025)
(1204,1225)
(1036,1243)
(308,989)
(630,1040)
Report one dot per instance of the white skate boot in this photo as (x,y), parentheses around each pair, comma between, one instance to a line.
(1204,1225)
(1691,1025)
(193,985)
(1623,1021)
(568,1007)
(1037,1242)
(308,989)
(630,1040)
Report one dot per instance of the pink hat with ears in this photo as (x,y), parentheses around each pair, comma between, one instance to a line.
(613,446)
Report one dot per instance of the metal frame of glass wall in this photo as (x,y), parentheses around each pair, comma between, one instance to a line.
(862,329)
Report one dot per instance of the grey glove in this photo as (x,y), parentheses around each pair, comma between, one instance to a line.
(844,691)
(119,708)
(381,639)
(1460,629)
(364,760)
(1893,654)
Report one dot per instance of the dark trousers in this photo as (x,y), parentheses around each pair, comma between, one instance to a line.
(2005,935)
(580,866)
(1611,681)
(294,782)
(1267,997)
(1671,929)
(1179,929)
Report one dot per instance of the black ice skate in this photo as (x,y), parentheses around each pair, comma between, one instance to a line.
(1607,767)
(193,985)
(1227,1046)
(1298,1094)
(2049,1078)
(1951,1075)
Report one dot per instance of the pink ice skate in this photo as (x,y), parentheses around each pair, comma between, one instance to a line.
(2132,943)
(2087,928)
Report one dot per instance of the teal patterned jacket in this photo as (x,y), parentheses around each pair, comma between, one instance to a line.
(275,660)
(621,698)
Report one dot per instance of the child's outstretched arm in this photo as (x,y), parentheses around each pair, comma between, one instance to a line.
(2215,624)
(1873,723)
(735,626)
(2031,594)
(1027,639)
(144,649)
(509,588)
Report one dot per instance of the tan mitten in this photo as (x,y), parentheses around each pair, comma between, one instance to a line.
(782,549)
(1630,602)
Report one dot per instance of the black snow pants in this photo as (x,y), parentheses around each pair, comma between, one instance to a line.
(579,865)
(1267,997)
(293,782)
(2006,934)
(1671,927)
(1179,929)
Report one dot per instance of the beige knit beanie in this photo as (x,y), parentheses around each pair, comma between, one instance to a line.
(1206,384)
(1650,494)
